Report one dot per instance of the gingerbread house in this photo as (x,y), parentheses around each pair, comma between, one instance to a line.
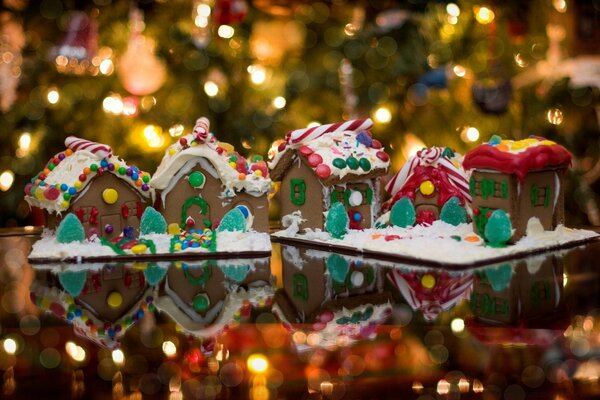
(429,179)
(340,298)
(107,195)
(100,302)
(322,165)
(524,178)
(199,179)
(203,299)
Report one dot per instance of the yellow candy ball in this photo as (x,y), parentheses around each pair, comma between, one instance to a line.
(232,164)
(139,248)
(173,229)
(65,204)
(78,185)
(114,299)
(427,188)
(39,194)
(428,281)
(172,151)
(110,196)
(258,172)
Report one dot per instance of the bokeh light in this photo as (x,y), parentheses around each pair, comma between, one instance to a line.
(7,178)
(153,136)
(258,74)
(118,357)
(169,348)
(257,363)
(279,102)
(452,9)
(457,325)
(554,116)
(77,353)
(226,31)
(211,89)
(53,96)
(383,115)
(484,15)
(10,346)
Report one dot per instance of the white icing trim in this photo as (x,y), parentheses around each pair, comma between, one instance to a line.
(556,190)
(187,167)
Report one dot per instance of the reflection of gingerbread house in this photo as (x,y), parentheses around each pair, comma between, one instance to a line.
(326,164)
(101,302)
(338,297)
(205,298)
(200,179)
(524,178)
(528,290)
(107,195)
(429,291)
(429,179)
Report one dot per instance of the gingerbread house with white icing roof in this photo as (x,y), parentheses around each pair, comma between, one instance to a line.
(105,193)
(199,179)
(322,165)
(524,178)
(429,179)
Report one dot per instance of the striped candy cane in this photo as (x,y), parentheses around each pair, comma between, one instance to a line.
(308,134)
(201,129)
(101,150)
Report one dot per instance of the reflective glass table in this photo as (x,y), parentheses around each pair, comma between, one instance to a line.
(301,324)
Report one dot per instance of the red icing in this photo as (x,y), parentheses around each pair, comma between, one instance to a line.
(94,216)
(80,213)
(138,209)
(425,217)
(532,158)
(124,211)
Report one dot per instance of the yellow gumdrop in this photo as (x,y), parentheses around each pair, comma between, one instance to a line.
(173,229)
(139,248)
(428,281)
(39,194)
(177,246)
(427,188)
(110,196)
(65,204)
(258,172)
(114,299)
(226,146)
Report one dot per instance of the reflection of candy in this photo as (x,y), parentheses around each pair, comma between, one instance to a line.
(101,150)
(307,134)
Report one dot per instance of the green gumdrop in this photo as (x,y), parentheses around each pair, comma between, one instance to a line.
(453,213)
(403,213)
(154,274)
(337,221)
(365,164)
(73,281)
(236,273)
(498,229)
(233,221)
(152,222)
(499,277)
(338,267)
(352,162)
(196,179)
(70,230)
(339,163)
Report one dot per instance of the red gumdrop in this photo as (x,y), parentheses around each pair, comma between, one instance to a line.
(240,165)
(219,150)
(383,156)
(326,316)
(376,144)
(314,160)
(28,189)
(305,151)
(323,171)
(260,166)
(51,193)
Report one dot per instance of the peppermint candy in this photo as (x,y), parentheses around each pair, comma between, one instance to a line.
(201,129)
(101,150)
(308,134)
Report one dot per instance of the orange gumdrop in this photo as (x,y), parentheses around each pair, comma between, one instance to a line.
(502,147)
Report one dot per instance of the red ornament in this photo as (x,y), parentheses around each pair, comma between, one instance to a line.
(323,171)
(314,160)
(305,151)
(383,156)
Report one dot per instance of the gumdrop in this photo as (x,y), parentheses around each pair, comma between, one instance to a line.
(154,274)
(236,273)
(453,213)
(73,281)
(499,277)
(233,221)
(337,221)
(364,138)
(338,267)
(70,230)
(152,222)
(403,213)
(197,180)
(498,229)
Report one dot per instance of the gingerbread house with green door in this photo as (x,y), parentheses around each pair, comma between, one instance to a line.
(524,178)
(323,165)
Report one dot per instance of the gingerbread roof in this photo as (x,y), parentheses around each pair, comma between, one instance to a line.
(441,166)
(338,152)
(68,173)
(517,157)
(235,172)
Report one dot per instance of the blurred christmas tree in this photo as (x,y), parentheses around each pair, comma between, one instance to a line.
(136,75)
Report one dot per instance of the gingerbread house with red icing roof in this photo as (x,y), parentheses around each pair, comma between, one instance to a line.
(524,178)
(429,179)
(199,179)
(106,194)
(322,165)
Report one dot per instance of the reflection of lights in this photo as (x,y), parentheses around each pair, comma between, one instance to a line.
(565,280)
(130,106)
(176,130)
(7,178)
(443,387)
(452,20)
(258,74)
(463,385)
(313,339)
(554,116)
(106,67)
(299,337)
(211,89)
(152,134)
(53,96)
(459,71)
(383,115)
(113,104)
(279,102)
(452,10)
(457,325)
(169,348)
(520,60)
(225,31)
(477,386)
(484,15)
(76,352)
(10,346)
(417,387)
(350,30)
(560,5)
(203,10)
(326,388)
(257,363)
(117,356)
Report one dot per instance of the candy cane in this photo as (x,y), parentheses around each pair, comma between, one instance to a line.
(201,129)
(456,177)
(402,176)
(308,134)
(101,150)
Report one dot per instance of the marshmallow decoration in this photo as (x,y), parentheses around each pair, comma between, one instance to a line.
(308,134)
(101,150)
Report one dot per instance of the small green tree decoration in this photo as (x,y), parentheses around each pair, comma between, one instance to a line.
(498,229)
(70,230)
(152,222)
(403,213)
(453,213)
(337,221)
